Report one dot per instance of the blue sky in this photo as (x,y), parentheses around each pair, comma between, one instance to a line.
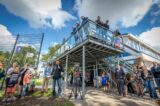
(142,20)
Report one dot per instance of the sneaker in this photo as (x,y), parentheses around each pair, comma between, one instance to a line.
(9,100)
(60,96)
(14,98)
(4,100)
(22,97)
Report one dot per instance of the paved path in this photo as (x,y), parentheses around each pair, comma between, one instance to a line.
(96,97)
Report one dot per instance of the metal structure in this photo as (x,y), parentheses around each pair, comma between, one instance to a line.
(88,44)
(14,44)
(139,46)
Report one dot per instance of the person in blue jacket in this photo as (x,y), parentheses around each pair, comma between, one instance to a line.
(105,79)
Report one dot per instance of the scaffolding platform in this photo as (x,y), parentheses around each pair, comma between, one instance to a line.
(87,45)
(99,43)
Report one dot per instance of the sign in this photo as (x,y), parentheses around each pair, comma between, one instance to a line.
(29,54)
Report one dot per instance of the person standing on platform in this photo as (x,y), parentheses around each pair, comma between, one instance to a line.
(85,25)
(56,73)
(98,27)
(120,76)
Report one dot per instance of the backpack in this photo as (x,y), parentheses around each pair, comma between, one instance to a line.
(13,80)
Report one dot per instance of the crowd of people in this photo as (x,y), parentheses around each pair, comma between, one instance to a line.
(139,82)
(19,81)
(81,30)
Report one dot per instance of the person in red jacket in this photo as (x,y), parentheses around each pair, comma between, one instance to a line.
(26,82)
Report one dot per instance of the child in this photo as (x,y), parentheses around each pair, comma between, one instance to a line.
(104,81)
(108,83)
(12,85)
(26,82)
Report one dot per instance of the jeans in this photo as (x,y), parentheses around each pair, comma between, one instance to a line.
(56,80)
(120,86)
(45,83)
(151,88)
(25,89)
(77,83)
(157,82)
(130,88)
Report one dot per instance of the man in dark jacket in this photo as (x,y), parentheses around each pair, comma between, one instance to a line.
(56,73)
(156,73)
(119,77)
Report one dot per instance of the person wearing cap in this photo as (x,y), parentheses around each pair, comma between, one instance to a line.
(56,75)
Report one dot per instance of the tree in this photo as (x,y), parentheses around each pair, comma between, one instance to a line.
(51,53)
(4,57)
(21,57)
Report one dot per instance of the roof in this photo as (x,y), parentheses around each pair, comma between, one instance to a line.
(131,36)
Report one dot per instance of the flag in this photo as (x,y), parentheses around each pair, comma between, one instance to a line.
(18,49)
(29,54)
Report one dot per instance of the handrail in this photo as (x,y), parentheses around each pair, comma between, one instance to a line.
(114,59)
(78,29)
(109,74)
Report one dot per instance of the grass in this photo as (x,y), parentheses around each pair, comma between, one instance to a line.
(34,98)
(1,94)
(38,82)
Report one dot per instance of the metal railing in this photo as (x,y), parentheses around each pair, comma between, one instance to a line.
(87,30)
(113,61)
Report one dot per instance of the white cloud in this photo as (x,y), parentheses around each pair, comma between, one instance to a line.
(6,39)
(4,30)
(54,43)
(126,12)
(152,37)
(39,13)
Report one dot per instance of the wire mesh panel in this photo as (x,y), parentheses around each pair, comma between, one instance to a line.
(7,43)
(21,49)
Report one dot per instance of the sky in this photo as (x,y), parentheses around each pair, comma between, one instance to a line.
(55,18)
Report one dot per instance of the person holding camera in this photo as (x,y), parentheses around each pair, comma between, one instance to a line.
(56,73)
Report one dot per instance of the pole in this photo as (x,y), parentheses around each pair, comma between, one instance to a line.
(111,78)
(83,66)
(12,54)
(40,49)
(96,74)
(65,86)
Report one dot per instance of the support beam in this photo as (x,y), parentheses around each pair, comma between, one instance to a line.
(83,68)
(65,80)
(96,74)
